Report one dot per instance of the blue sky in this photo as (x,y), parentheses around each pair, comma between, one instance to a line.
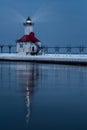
(58,22)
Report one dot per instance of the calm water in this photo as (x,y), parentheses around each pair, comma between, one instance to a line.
(42,97)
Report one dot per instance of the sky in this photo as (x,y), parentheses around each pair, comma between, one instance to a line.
(57,22)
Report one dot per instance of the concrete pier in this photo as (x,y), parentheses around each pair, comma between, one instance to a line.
(71,59)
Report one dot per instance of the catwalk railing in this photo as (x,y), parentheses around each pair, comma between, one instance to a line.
(65,50)
(47,50)
(7,48)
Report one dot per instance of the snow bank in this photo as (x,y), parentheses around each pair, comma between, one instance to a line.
(49,58)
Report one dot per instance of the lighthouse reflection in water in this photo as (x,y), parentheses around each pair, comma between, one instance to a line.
(28,73)
(42,96)
(17,81)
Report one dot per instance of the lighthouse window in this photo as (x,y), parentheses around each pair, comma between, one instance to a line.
(21,45)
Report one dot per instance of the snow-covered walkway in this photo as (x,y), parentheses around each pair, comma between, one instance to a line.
(47,58)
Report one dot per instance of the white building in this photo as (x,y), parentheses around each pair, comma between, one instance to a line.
(28,44)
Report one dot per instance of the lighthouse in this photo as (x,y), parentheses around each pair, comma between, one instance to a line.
(28,44)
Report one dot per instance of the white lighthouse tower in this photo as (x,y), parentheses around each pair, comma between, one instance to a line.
(28,24)
(28,44)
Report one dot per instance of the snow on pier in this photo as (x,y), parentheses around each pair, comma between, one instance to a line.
(77,59)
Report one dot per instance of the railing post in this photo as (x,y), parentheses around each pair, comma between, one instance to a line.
(68,50)
(10,48)
(45,50)
(1,48)
(81,49)
(56,50)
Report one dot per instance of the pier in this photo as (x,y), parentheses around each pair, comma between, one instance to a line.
(76,55)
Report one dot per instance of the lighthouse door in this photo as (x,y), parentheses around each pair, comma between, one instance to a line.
(33,48)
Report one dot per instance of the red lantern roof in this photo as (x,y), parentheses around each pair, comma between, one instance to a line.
(29,38)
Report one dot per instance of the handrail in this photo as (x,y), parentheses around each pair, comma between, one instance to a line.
(55,49)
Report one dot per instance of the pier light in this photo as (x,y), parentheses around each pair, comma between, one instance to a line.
(28,21)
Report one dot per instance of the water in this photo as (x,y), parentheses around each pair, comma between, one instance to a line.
(42,96)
